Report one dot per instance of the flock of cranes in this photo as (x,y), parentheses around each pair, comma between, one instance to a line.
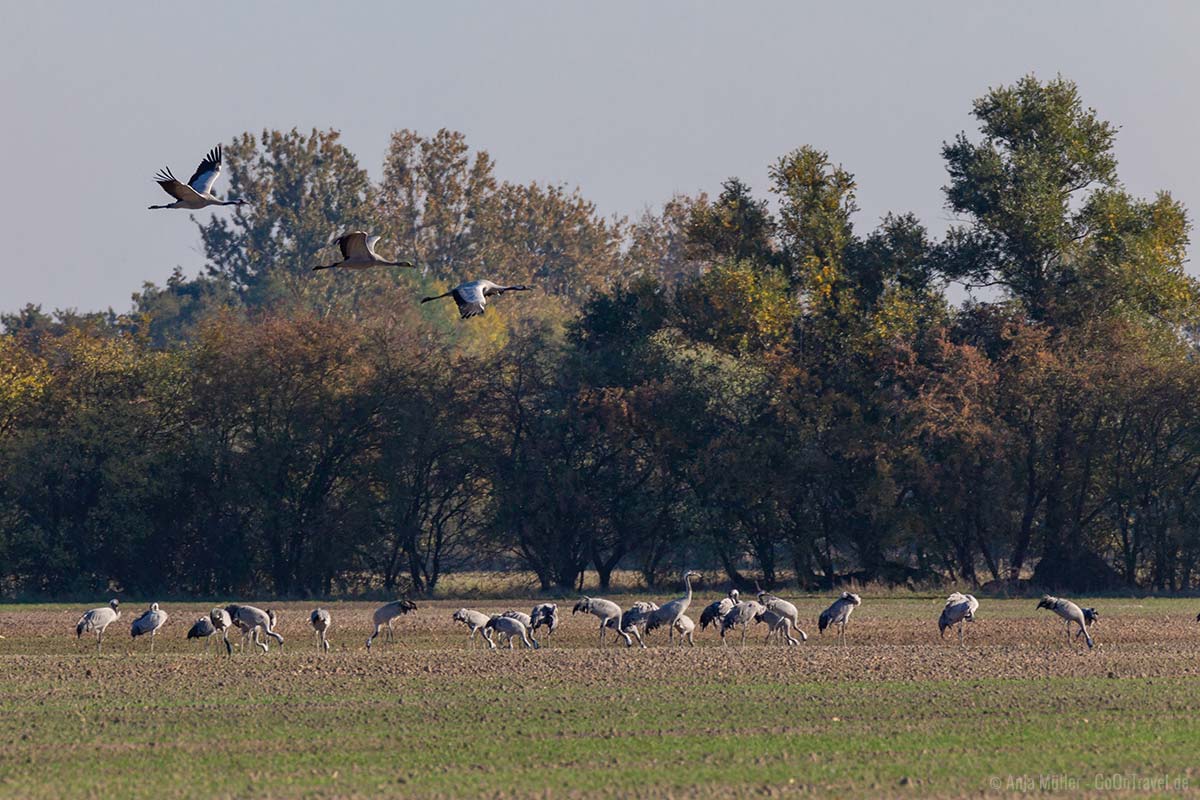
(727,614)
(358,247)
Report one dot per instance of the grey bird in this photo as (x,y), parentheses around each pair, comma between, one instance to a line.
(544,615)
(385,616)
(714,612)
(476,622)
(471,297)
(784,609)
(668,613)
(222,622)
(202,628)
(685,627)
(525,619)
(250,620)
(97,619)
(149,623)
(959,610)
(1069,612)
(634,621)
(197,192)
(606,611)
(743,614)
(839,614)
(358,252)
(320,621)
(510,628)
(776,623)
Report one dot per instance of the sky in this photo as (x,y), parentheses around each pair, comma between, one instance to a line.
(630,101)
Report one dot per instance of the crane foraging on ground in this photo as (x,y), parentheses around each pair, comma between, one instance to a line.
(668,613)
(385,616)
(544,614)
(358,252)
(321,621)
(476,622)
(524,618)
(634,621)
(783,609)
(149,623)
(743,613)
(1091,616)
(714,612)
(510,628)
(249,620)
(97,619)
(202,628)
(471,297)
(839,614)
(1069,612)
(197,192)
(959,610)
(776,623)
(222,622)
(686,627)
(604,610)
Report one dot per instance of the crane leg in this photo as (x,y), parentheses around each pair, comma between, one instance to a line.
(744,636)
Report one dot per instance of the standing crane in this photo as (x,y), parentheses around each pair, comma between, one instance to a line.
(605,611)
(97,619)
(197,192)
(714,612)
(784,609)
(668,613)
(471,297)
(743,614)
(960,609)
(358,252)
(320,621)
(386,615)
(545,614)
(839,614)
(1071,613)
(149,623)
(686,627)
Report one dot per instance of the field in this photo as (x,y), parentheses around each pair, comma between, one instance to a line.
(896,712)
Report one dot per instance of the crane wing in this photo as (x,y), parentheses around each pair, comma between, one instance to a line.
(470,299)
(371,246)
(354,245)
(205,176)
(172,186)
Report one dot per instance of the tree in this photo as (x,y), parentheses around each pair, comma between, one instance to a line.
(1021,188)
(734,227)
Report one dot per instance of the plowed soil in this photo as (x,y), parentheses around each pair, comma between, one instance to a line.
(896,711)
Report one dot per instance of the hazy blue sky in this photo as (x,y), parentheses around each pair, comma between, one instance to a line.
(630,101)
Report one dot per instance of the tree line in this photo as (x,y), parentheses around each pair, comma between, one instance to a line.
(738,381)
